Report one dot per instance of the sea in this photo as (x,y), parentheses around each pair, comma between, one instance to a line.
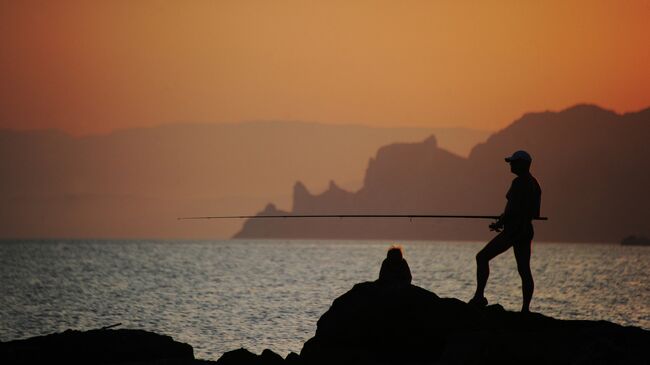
(223,295)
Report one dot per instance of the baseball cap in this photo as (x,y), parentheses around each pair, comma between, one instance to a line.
(519,155)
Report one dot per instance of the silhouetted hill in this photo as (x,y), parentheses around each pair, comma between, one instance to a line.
(135,182)
(592,164)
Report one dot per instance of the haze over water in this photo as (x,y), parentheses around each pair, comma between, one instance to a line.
(222,295)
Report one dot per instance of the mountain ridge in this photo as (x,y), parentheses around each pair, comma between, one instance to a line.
(590,162)
(136,182)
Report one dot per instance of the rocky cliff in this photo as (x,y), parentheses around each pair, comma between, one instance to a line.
(592,165)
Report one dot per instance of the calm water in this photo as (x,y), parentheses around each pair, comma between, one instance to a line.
(219,296)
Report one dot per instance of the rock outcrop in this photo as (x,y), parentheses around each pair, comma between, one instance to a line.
(97,347)
(376,323)
(267,357)
(636,241)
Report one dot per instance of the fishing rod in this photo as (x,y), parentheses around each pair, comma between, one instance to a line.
(341,216)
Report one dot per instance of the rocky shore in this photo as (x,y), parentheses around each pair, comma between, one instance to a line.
(102,346)
(374,323)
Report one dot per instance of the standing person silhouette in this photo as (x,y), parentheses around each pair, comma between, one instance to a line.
(515,230)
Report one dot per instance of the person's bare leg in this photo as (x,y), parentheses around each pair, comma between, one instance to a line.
(522,255)
(498,245)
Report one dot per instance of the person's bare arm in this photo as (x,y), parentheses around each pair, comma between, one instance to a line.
(511,210)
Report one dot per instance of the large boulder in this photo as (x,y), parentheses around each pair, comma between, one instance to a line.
(97,347)
(382,324)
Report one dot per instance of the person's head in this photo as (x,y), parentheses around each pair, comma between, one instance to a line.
(395,253)
(519,162)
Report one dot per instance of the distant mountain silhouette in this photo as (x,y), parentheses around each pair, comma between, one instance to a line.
(592,164)
(135,182)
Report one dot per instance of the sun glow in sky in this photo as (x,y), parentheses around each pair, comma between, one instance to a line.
(95,66)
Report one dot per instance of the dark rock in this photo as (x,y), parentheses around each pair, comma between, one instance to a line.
(379,324)
(96,347)
(245,357)
(269,357)
(635,241)
(239,357)
(292,359)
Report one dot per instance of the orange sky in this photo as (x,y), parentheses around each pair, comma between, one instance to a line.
(95,66)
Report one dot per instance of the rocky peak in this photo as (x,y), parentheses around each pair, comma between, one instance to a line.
(301,198)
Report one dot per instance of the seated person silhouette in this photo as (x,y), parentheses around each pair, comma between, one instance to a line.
(394,269)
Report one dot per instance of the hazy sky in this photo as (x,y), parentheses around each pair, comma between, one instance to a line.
(95,66)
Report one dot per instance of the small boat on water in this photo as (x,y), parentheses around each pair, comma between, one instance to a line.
(636,241)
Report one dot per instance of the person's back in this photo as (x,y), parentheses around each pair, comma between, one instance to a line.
(394,268)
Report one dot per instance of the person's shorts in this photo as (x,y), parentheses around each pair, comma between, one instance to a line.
(520,234)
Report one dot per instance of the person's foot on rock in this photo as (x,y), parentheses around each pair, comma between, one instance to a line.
(479,302)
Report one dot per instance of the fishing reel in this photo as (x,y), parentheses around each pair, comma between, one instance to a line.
(496,226)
